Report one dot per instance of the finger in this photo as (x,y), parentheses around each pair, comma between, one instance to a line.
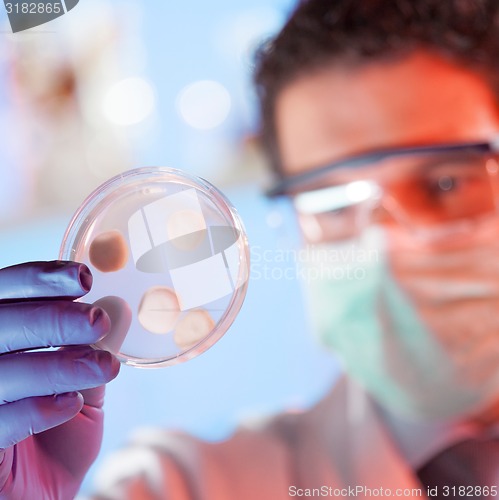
(29,325)
(83,432)
(34,280)
(33,415)
(28,374)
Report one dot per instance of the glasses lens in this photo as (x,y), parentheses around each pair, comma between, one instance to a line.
(335,212)
(442,189)
(421,192)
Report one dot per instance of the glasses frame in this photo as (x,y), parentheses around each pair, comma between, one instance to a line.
(287,185)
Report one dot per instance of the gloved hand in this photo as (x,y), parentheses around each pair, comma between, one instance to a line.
(50,401)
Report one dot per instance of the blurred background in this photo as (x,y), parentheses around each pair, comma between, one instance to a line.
(117,84)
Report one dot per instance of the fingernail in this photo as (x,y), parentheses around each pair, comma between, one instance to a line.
(67,395)
(99,321)
(85,278)
(115,367)
(65,398)
(96,314)
(108,362)
(100,363)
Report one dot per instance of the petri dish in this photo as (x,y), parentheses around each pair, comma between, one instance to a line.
(170,261)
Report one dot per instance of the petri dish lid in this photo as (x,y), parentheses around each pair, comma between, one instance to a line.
(170,260)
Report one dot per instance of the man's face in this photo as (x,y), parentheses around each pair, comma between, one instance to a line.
(340,111)
(422,348)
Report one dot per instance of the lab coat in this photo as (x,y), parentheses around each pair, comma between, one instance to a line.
(339,443)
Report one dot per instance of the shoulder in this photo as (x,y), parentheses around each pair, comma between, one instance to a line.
(162,464)
(256,461)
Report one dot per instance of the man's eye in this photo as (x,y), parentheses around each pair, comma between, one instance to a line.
(444,184)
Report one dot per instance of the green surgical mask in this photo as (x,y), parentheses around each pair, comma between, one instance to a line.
(362,312)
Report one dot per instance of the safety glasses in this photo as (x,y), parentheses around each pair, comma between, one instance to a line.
(430,190)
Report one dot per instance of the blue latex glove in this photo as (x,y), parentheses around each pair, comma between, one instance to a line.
(50,401)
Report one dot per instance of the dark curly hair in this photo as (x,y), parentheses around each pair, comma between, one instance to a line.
(351,32)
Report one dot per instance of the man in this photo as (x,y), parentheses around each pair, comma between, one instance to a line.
(380,119)
(390,104)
